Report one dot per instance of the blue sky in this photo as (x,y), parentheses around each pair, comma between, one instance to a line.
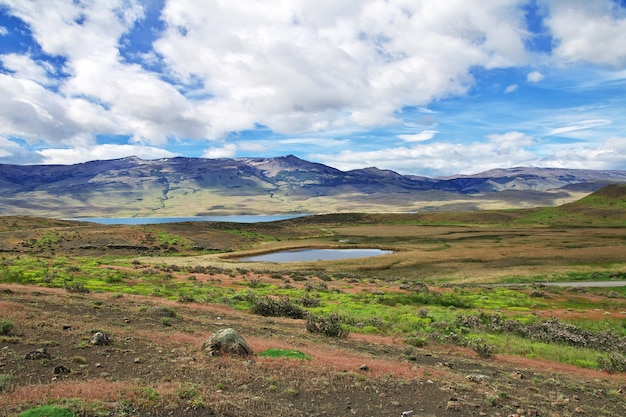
(425,87)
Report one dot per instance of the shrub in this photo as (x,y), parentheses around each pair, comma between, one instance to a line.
(308,301)
(614,362)
(4,381)
(484,350)
(416,341)
(6,326)
(185,297)
(162,311)
(75,286)
(331,326)
(281,307)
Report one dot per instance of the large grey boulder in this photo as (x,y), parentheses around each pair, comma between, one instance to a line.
(226,341)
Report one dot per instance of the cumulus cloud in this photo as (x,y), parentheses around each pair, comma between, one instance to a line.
(506,150)
(291,66)
(534,77)
(101,152)
(609,154)
(588,31)
(13,153)
(305,66)
(24,67)
(500,150)
(301,68)
(229,150)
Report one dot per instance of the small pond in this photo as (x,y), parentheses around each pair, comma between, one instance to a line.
(315,255)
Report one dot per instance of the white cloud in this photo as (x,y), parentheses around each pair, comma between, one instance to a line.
(3,31)
(534,77)
(24,67)
(419,137)
(442,158)
(229,150)
(14,153)
(101,152)
(589,31)
(511,88)
(301,66)
(609,154)
(582,125)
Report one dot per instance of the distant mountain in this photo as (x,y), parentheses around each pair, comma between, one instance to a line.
(194,186)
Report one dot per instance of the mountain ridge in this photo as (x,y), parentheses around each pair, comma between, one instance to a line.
(177,186)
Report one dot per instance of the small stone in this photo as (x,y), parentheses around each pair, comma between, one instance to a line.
(137,360)
(98,365)
(364,368)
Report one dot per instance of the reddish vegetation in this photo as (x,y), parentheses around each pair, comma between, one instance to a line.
(156,370)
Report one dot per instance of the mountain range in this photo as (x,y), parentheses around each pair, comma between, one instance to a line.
(175,187)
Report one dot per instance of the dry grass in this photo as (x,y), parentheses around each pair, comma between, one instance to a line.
(461,254)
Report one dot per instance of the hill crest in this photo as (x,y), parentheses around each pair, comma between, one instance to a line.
(180,186)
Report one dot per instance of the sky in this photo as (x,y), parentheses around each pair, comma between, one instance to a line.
(423,87)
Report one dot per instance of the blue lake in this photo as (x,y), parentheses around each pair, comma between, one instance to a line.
(157,220)
(315,255)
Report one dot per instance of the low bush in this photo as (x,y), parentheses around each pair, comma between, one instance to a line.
(6,326)
(76,287)
(332,325)
(277,307)
(613,362)
(546,331)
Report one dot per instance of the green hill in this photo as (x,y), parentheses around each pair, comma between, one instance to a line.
(605,207)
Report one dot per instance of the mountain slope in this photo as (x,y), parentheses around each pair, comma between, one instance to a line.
(195,186)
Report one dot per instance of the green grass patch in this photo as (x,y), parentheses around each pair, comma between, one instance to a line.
(284,353)
(48,411)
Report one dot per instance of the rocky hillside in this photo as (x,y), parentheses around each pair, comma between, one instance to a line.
(196,186)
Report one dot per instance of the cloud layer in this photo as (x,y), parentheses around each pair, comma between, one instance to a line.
(98,79)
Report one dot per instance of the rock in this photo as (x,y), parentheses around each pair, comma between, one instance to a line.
(454,405)
(226,341)
(517,375)
(61,370)
(100,338)
(364,368)
(41,353)
(477,378)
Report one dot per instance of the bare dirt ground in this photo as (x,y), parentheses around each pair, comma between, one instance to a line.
(155,366)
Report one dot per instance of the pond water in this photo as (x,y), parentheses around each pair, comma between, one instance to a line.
(315,255)
(157,220)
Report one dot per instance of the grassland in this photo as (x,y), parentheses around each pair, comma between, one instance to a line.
(440,291)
